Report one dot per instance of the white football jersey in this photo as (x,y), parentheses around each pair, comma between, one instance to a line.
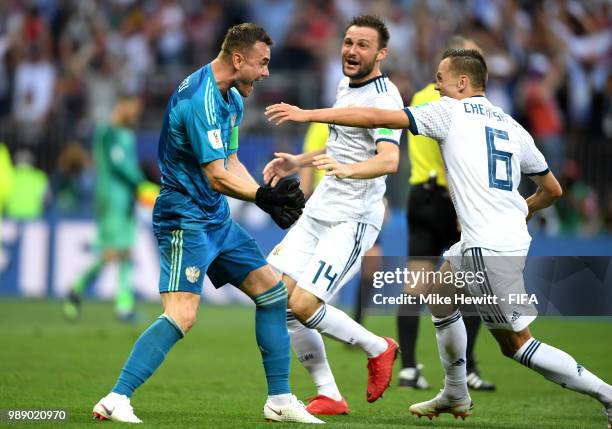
(484,151)
(358,200)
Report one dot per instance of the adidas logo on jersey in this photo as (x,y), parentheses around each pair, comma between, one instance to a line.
(184,84)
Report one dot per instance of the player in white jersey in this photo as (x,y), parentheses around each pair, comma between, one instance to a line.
(485,151)
(341,221)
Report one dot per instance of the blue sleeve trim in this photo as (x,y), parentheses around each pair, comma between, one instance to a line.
(541,173)
(212,157)
(413,126)
(383,139)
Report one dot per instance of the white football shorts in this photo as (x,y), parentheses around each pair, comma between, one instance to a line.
(323,256)
(502,275)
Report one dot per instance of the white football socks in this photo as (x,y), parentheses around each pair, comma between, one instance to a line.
(452,343)
(337,324)
(559,367)
(280,400)
(309,348)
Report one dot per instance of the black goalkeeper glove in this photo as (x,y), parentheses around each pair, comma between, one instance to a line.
(286,193)
(288,214)
(283,217)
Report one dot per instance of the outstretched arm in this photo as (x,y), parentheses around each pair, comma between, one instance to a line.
(363,117)
(384,162)
(286,164)
(306,159)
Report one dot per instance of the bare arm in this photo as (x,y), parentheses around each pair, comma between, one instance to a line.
(236,167)
(240,184)
(306,181)
(307,173)
(286,164)
(384,162)
(306,159)
(228,182)
(547,193)
(362,117)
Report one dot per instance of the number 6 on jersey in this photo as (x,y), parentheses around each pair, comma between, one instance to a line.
(495,156)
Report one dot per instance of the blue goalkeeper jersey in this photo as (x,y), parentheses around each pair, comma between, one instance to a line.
(200,126)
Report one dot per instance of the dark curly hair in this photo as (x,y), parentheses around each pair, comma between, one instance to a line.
(374,22)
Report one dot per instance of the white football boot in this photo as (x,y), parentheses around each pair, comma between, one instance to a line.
(441,404)
(609,413)
(115,407)
(295,411)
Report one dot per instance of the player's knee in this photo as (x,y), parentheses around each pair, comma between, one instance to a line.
(185,319)
(290,284)
(442,311)
(187,322)
(110,255)
(125,255)
(509,343)
(416,290)
(302,307)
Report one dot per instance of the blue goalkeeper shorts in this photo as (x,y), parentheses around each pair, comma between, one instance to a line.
(227,255)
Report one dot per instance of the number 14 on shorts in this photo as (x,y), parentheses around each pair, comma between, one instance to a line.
(327,275)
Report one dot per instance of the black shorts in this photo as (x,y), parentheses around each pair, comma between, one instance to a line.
(432,221)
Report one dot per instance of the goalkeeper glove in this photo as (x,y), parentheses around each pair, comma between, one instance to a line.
(287,215)
(286,193)
(284,217)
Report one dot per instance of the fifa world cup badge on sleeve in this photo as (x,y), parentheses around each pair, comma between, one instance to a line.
(214,136)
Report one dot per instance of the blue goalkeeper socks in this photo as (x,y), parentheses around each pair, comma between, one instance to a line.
(148,353)
(273,338)
(270,330)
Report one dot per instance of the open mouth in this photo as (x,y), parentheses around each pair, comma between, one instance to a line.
(351,62)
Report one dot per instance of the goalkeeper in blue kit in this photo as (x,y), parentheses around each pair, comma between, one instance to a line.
(198,160)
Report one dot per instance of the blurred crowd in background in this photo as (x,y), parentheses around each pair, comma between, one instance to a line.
(63,63)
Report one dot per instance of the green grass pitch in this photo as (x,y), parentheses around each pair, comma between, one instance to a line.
(213,378)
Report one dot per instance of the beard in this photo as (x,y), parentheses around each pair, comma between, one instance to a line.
(364,70)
